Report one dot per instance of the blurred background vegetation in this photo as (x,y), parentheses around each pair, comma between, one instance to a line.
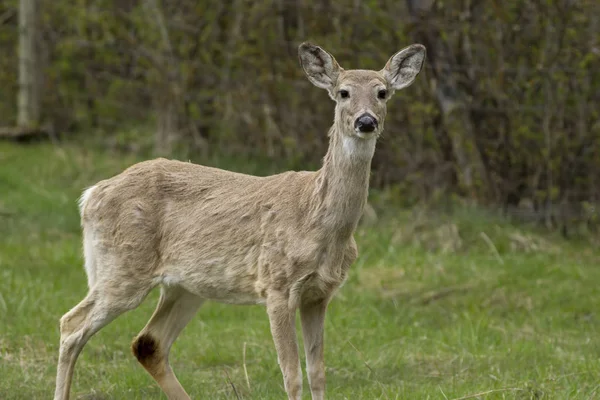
(505,113)
(445,300)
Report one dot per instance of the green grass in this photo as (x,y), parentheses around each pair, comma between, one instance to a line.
(437,306)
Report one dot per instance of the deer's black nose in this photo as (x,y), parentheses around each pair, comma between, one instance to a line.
(365,123)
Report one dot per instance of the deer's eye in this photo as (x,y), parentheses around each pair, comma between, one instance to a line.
(382,94)
(344,94)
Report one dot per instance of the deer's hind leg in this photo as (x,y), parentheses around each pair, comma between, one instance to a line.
(102,305)
(151,347)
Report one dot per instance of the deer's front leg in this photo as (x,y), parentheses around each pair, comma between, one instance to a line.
(313,325)
(283,329)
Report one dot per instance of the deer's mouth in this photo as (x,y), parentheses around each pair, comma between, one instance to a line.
(366,135)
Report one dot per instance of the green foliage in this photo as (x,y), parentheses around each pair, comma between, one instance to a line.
(225,76)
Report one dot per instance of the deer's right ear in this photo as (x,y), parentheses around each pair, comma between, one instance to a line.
(320,66)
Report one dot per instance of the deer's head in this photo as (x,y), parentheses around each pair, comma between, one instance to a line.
(361,95)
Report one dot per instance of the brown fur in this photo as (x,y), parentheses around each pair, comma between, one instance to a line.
(285,240)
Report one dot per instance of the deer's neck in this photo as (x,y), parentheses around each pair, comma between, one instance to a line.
(343,181)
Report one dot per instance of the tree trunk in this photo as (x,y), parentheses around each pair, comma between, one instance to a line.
(167,88)
(470,169)
(167,124)
(29,93)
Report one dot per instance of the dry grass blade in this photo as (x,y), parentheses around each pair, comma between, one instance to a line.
(244,364)
(591,396)
(491,245)
(443,394)
(369,368)
(361,356)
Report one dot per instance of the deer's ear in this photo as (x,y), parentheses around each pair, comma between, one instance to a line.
(404,66)
(320,66)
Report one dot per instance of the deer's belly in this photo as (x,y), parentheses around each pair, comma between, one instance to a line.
(232,284)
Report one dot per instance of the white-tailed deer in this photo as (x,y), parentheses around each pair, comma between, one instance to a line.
(202,233)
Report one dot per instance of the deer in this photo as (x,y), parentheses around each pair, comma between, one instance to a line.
(284,241)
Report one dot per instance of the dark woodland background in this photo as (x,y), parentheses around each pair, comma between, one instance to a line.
(505,113)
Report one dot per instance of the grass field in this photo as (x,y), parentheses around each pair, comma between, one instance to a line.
(437,306)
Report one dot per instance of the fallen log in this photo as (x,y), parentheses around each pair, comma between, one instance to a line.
(18,133)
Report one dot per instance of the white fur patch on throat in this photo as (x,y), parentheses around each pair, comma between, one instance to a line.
(357,147)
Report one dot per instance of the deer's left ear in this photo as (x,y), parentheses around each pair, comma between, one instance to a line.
(404,66)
